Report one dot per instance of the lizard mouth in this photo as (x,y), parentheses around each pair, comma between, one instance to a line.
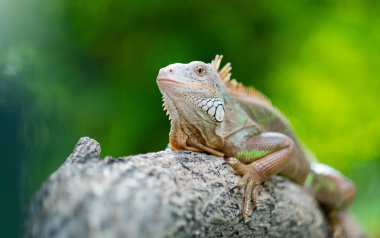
(169,81)
(172,82)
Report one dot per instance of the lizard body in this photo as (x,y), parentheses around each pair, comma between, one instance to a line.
(211,113)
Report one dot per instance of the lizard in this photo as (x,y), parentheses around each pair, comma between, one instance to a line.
(211,113)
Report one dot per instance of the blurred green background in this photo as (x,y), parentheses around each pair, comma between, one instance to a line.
(72,68)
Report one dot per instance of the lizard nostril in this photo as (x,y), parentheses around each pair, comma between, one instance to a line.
(171,70)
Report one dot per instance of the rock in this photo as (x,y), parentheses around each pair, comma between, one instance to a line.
(163,194)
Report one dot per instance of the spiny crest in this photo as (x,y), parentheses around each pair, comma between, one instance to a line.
(166,109)
(232,85)
(224,73)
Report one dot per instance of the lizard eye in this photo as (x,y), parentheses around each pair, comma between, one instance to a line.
(200,70)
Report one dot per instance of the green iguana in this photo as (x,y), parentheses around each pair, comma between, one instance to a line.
(209,112)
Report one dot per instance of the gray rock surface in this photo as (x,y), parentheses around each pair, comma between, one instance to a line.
(163,194)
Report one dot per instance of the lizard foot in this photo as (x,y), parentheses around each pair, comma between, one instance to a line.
(336,225)
(251,190)
(250,182)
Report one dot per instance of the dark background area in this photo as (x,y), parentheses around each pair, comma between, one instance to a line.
(72,68)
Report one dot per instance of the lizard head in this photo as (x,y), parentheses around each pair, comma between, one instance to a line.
(193,98)
(193,85)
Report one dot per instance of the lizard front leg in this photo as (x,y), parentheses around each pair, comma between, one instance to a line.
(256,159)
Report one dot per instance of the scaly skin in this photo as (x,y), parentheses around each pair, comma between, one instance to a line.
(213,114)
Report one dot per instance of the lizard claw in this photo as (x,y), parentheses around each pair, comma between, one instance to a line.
(240,184)
(233,188)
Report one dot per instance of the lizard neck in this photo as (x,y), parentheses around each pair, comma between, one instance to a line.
(185,134)
(192,129)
